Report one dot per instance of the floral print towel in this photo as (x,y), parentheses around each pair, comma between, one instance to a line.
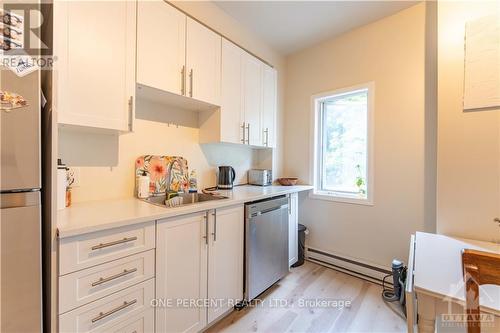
(157,168)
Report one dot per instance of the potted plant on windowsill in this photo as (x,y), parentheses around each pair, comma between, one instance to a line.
(360,182)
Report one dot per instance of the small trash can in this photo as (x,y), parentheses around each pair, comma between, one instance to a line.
(301,245)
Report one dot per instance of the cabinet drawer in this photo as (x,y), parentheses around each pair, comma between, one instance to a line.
(142,323)
(112,313)
(87,285)
(79,252)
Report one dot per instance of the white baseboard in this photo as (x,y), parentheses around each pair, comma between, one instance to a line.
(352,266)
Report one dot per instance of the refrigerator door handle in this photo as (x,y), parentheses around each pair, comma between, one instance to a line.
(19,199)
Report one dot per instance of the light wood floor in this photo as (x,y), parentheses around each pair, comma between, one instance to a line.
(367,313)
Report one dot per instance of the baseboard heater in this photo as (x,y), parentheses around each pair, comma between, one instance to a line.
(349,266)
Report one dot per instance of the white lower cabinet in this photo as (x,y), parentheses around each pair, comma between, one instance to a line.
(199,268)
(195,278)
(181,265)
(87,285)
(225,261)
(293,226)
(84,251)
(110,314)
(107,280)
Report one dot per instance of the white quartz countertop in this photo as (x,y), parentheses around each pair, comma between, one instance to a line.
(86,217)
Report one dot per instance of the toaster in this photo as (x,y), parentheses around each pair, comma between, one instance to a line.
(261,177)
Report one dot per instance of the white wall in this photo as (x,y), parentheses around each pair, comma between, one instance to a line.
(107,163)
(390,52)
(468,142)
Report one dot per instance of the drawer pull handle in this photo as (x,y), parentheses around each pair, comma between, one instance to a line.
(103,315)
(121,241)
(116,276)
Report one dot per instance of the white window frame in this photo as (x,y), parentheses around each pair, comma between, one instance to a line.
(315,148)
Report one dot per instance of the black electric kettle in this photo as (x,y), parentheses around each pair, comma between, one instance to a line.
(225,177)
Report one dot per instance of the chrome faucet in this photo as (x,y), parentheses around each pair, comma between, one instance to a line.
(169,179)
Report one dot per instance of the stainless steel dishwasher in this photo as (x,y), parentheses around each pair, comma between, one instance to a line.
(266,244)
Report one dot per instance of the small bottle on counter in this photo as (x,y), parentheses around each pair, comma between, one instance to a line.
(143,186)
(193,182)
(62,184)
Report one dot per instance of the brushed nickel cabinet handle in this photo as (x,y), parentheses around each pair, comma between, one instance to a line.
(243,128)
(183,80)
(266,132)
(117,242)
(191,83)
(103,315)
(206,227)
(130,112)
(248,133)
(113,277)
(214,214)
(289,204)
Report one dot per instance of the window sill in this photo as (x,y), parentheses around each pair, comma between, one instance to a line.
(342,199)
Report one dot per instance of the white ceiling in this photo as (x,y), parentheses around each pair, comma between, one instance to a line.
(290,26)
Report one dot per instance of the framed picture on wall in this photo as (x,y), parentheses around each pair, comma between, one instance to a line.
(482,64)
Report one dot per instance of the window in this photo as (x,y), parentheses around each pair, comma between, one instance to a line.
(343,132)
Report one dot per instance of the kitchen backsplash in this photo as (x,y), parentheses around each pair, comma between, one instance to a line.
(111,173)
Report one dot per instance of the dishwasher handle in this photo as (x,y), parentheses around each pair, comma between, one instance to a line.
(264,211)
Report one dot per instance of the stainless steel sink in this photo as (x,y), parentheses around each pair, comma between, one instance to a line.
(183,199)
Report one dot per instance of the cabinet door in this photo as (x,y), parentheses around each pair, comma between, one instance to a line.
(161,46)
(231,93)
(252,87)
(181,272)
(225,260)
(203,62)
(293,225)
(269,106)
(95,71)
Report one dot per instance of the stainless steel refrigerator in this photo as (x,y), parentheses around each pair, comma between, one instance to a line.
(20,213)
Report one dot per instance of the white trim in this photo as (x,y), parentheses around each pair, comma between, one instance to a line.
(313,175)
(320,195)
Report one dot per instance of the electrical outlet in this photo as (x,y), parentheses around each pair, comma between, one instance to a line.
(74,176)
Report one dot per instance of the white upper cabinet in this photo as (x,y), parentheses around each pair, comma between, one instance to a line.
(100,46)
(248,102)
(177,54)
(269,98)
(161,46)
(231,93)
(203,63)
(94,76)
(252,99)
